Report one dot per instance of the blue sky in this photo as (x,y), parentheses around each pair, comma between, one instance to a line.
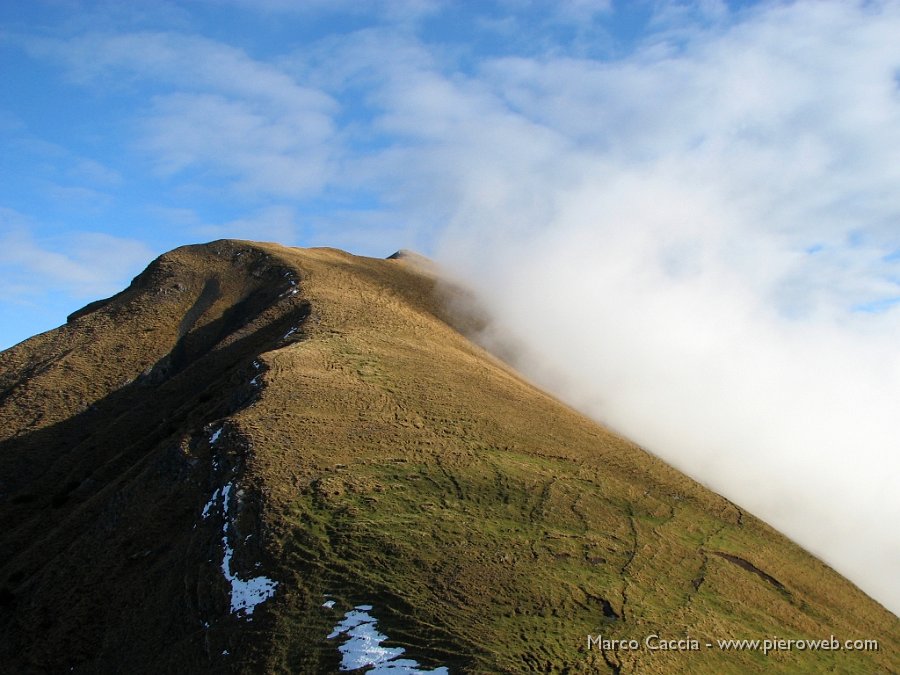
(129,128)
(687,214)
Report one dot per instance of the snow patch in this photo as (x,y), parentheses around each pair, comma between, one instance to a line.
(246,594)
(328,604)
(209,505)
(363,649)
(215,436)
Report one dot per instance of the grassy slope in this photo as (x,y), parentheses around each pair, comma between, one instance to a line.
(385,459)
(409,468)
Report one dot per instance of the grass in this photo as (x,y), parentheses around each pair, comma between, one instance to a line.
(387,460)
(489,521)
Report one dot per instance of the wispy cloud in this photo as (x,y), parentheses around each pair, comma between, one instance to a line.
(92,172)
(213,109)
(389,10)
(187,62)
(274,223)
(82,264)
(259,151)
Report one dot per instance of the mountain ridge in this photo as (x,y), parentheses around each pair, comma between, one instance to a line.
(371,453)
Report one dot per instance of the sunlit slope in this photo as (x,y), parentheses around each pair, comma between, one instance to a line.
(382,459)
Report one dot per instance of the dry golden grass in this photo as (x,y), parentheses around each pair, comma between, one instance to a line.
(385,459)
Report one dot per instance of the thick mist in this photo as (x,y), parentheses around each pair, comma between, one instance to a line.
(700,250)
(792,418)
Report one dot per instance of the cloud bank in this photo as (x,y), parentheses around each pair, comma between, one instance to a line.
(701,282)
(697,245)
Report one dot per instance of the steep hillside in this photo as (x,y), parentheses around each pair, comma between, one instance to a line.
(212,469)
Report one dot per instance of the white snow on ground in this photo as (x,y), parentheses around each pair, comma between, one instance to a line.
(210,504)
(257,366)
(328,604)
(215,436)
(290,332)
(363,646)
(246,594)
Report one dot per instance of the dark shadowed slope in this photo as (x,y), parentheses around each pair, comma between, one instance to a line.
(188,470)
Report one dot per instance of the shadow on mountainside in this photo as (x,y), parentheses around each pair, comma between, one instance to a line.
(99,508)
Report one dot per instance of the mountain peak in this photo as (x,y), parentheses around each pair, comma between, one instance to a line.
(252,447)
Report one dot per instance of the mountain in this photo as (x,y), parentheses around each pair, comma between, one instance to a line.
(253,448)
